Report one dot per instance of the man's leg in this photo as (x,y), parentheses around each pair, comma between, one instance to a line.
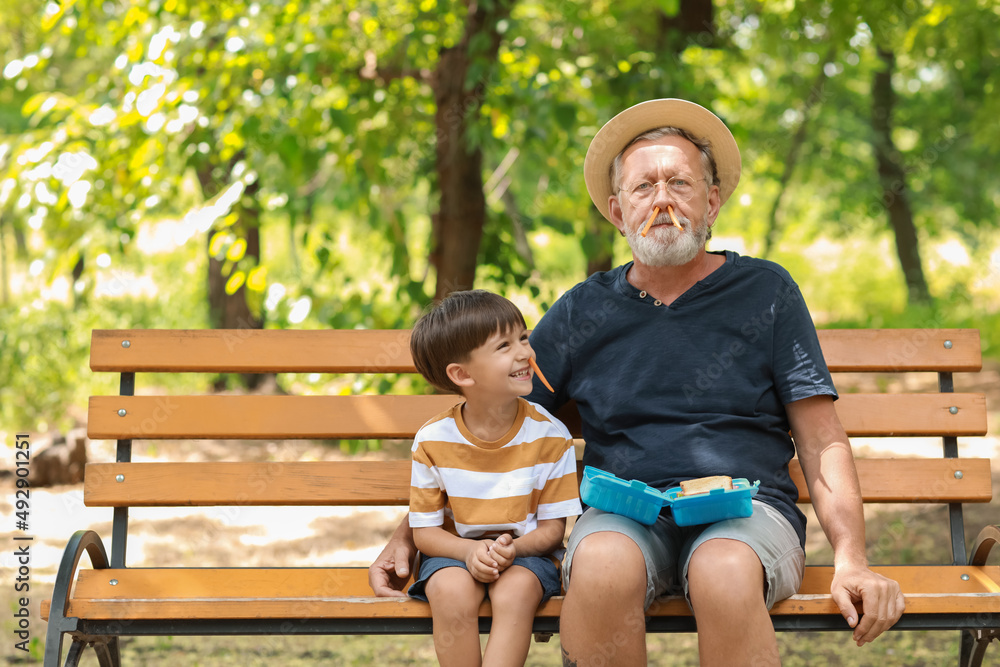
(726,586)
(603,621)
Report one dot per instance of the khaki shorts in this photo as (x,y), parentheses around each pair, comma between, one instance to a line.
(667,548)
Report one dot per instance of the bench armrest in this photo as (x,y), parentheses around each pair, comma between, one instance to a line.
(988,538)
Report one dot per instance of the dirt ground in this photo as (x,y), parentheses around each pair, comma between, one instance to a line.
(279,537)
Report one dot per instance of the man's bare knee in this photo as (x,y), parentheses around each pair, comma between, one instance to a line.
(608,561)
(602,620)
(728,567)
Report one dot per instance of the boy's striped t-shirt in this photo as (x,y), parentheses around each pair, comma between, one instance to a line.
(474,488)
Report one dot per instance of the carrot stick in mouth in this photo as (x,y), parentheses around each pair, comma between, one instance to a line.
(538,372)
(656,212)
(673,218)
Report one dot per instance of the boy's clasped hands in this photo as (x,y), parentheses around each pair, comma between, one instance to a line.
(488,558)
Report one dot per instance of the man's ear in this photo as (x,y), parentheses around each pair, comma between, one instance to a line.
(457,374)
(714,204)
(615,212)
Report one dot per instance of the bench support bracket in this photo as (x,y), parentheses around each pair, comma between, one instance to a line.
(106,647)
(974,642)
(974,645)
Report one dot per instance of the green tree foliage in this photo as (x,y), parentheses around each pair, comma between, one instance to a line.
(809,97)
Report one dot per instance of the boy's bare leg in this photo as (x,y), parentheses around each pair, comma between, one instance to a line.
(603,620)
(455,598)
(514,597)
(726,582)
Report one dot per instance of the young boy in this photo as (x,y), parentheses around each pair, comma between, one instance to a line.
(493,481)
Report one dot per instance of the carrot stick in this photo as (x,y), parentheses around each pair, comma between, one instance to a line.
(673,218)
(656,212)
(538,372)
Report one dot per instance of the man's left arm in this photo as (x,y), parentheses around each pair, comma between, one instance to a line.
(827,462)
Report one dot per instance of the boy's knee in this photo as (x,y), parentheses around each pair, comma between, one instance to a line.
(454,588)
(516,586)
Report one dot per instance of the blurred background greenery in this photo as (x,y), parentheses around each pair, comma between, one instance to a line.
(338,163)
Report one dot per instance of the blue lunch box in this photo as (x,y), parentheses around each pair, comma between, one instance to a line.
(642,503)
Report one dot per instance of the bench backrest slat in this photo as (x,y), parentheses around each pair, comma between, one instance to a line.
(388,482)
(252,351)
(394,416)
(387,351)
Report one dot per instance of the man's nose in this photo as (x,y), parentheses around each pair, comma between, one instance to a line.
(662,195)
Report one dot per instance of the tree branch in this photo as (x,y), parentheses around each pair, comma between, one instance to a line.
(814,98)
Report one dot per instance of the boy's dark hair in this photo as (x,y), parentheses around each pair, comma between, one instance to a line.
(452,329)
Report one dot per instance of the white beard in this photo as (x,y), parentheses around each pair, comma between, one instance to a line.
(678,249)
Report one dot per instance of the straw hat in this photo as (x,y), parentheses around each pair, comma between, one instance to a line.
(626,126)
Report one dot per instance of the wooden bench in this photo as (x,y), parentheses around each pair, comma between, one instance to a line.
(111,600)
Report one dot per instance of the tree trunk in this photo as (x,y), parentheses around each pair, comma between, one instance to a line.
(232,311)
(79,298)
(694,21)
(892,177)
(459,221)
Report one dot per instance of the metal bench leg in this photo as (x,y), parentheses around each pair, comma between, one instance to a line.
(107,653)
(83,541)
(974,645)
(75,652)
(106,649)
(975,642)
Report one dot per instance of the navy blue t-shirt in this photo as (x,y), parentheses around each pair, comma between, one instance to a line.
(696,388)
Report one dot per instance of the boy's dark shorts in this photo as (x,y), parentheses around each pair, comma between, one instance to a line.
(542,567)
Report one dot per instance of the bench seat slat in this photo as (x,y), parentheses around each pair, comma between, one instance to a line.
(376,608)
(388,482)
(343,592)
(395,416)
(245,582)
(387,351)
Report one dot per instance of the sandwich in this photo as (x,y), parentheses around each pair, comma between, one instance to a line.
(705,484)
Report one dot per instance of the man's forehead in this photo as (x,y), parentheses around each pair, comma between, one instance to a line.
(666,152)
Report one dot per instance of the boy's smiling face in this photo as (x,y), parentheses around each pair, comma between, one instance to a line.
(498,369)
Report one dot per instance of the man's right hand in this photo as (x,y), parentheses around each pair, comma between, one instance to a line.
(391,570)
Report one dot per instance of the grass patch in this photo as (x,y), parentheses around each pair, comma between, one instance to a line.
(798,649)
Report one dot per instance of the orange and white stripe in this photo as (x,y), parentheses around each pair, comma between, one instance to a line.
(475,488)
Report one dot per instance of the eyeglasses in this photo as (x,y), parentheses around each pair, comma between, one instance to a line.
(641,193)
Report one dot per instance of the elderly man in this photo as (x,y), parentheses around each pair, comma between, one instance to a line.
(687,363)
